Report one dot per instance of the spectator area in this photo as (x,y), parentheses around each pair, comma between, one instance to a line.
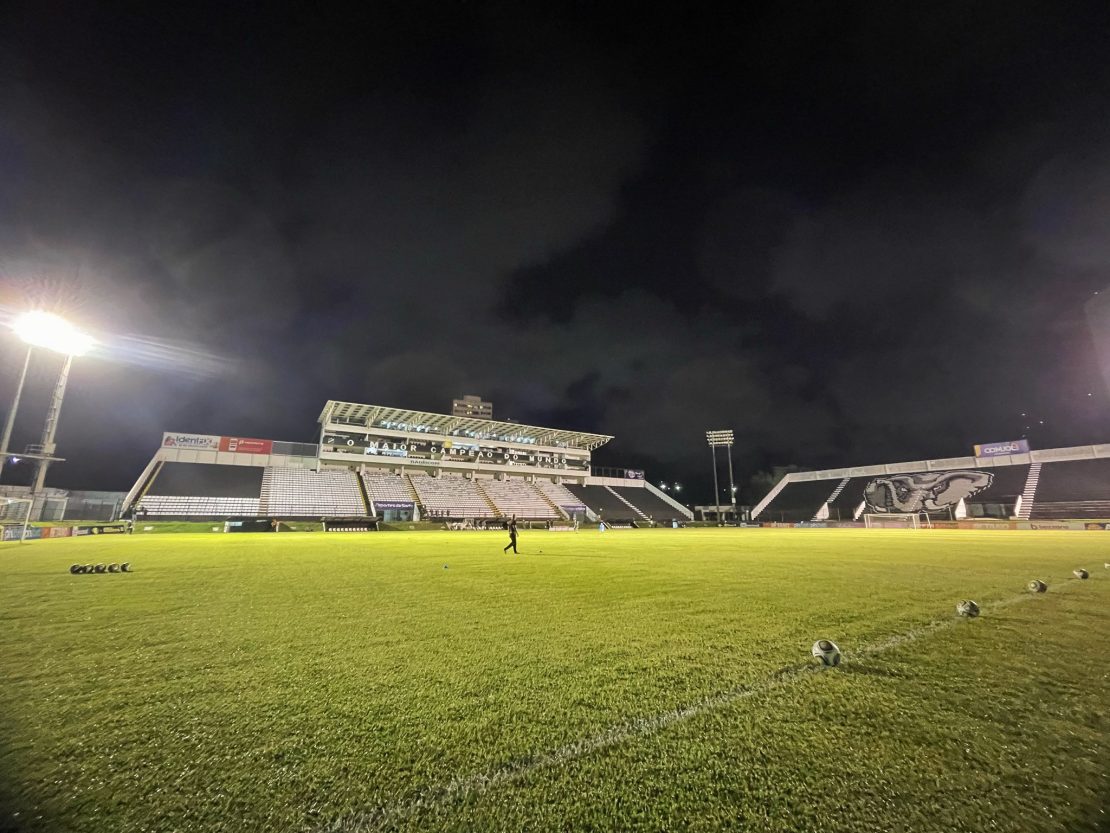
(304,493)
(1073,489)
(451,497)
(653,506)
(193,490)
(560,495)
(517,497)
(391,487)
(603,502)
(799,501)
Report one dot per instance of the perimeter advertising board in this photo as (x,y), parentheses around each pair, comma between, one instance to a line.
(1002,449)
(246,445)
(205,442)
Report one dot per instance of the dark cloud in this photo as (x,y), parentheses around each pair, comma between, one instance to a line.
(849,234)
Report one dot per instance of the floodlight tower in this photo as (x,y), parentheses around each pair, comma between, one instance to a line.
(723,437)
(9,423)
(44,329)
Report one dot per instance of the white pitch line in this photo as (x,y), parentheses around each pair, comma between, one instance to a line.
(460,788)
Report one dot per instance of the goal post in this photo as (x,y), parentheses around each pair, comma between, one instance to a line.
(892,520)
(15,514)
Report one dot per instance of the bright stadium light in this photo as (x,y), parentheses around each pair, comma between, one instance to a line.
(44,329)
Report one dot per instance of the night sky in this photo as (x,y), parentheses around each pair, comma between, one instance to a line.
(855,233)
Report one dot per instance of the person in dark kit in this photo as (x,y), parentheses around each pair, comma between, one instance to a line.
(512,536)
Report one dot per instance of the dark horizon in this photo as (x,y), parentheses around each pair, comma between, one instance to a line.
(853,235)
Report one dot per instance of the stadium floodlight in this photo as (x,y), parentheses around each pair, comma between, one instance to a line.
(722,437)
(45,329)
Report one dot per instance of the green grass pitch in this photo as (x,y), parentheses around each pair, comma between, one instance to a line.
(631,680)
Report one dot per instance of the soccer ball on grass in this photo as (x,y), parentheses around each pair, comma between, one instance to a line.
(1037,586)
(826,652)
(967,608)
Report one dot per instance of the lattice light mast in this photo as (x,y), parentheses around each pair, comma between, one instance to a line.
(44,329)
(722,437)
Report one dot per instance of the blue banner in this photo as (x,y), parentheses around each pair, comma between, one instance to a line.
(1002,449)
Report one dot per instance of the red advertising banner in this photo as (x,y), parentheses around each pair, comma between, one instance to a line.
(246,445)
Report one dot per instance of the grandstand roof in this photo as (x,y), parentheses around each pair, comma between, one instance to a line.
(401,419)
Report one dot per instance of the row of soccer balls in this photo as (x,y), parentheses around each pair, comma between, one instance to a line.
(78,569)
(827,653)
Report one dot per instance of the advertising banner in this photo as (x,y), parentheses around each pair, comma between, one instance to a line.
(1002,449)
(1050,525)
(191,441)
(393,504)
(246,445)
(634,474)
(14,533)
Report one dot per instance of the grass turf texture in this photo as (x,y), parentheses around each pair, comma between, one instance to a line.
(350,682)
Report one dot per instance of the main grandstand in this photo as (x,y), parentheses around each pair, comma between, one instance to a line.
(1037,487)
(396,465)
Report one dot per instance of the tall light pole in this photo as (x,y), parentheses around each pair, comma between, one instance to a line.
(44,329)
(718,438)
(9,423)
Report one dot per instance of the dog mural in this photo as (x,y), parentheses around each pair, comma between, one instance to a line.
(931,491)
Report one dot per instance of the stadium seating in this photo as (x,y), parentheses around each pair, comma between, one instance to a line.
(517,497)
(1073,489)
(387,487)
(651,505)
(450,496)
(603,502)
(304,493)
(560,495)
(197,490)
(189,506)
(799,501)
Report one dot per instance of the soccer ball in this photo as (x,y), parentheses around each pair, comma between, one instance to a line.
(125,567)
(968,608)
(113,568)
(826,652)
(1080,573)
(1037,586)
(100,568)
(76,569)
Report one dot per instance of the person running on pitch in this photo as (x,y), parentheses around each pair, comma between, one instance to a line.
(512,536)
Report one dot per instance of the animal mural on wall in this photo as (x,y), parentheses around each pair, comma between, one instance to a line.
(929,491)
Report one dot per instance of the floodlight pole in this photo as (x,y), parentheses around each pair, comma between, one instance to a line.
(716,485)
(731,484)
(51,425)
(715,438)
(10,422)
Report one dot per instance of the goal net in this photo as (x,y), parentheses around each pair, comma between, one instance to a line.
(15,514)
(892,520)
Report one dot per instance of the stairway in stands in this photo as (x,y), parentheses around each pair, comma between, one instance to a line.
(560,512)
(412,490)
(832,497)
(264,498)
(1029,494)
(620,497)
